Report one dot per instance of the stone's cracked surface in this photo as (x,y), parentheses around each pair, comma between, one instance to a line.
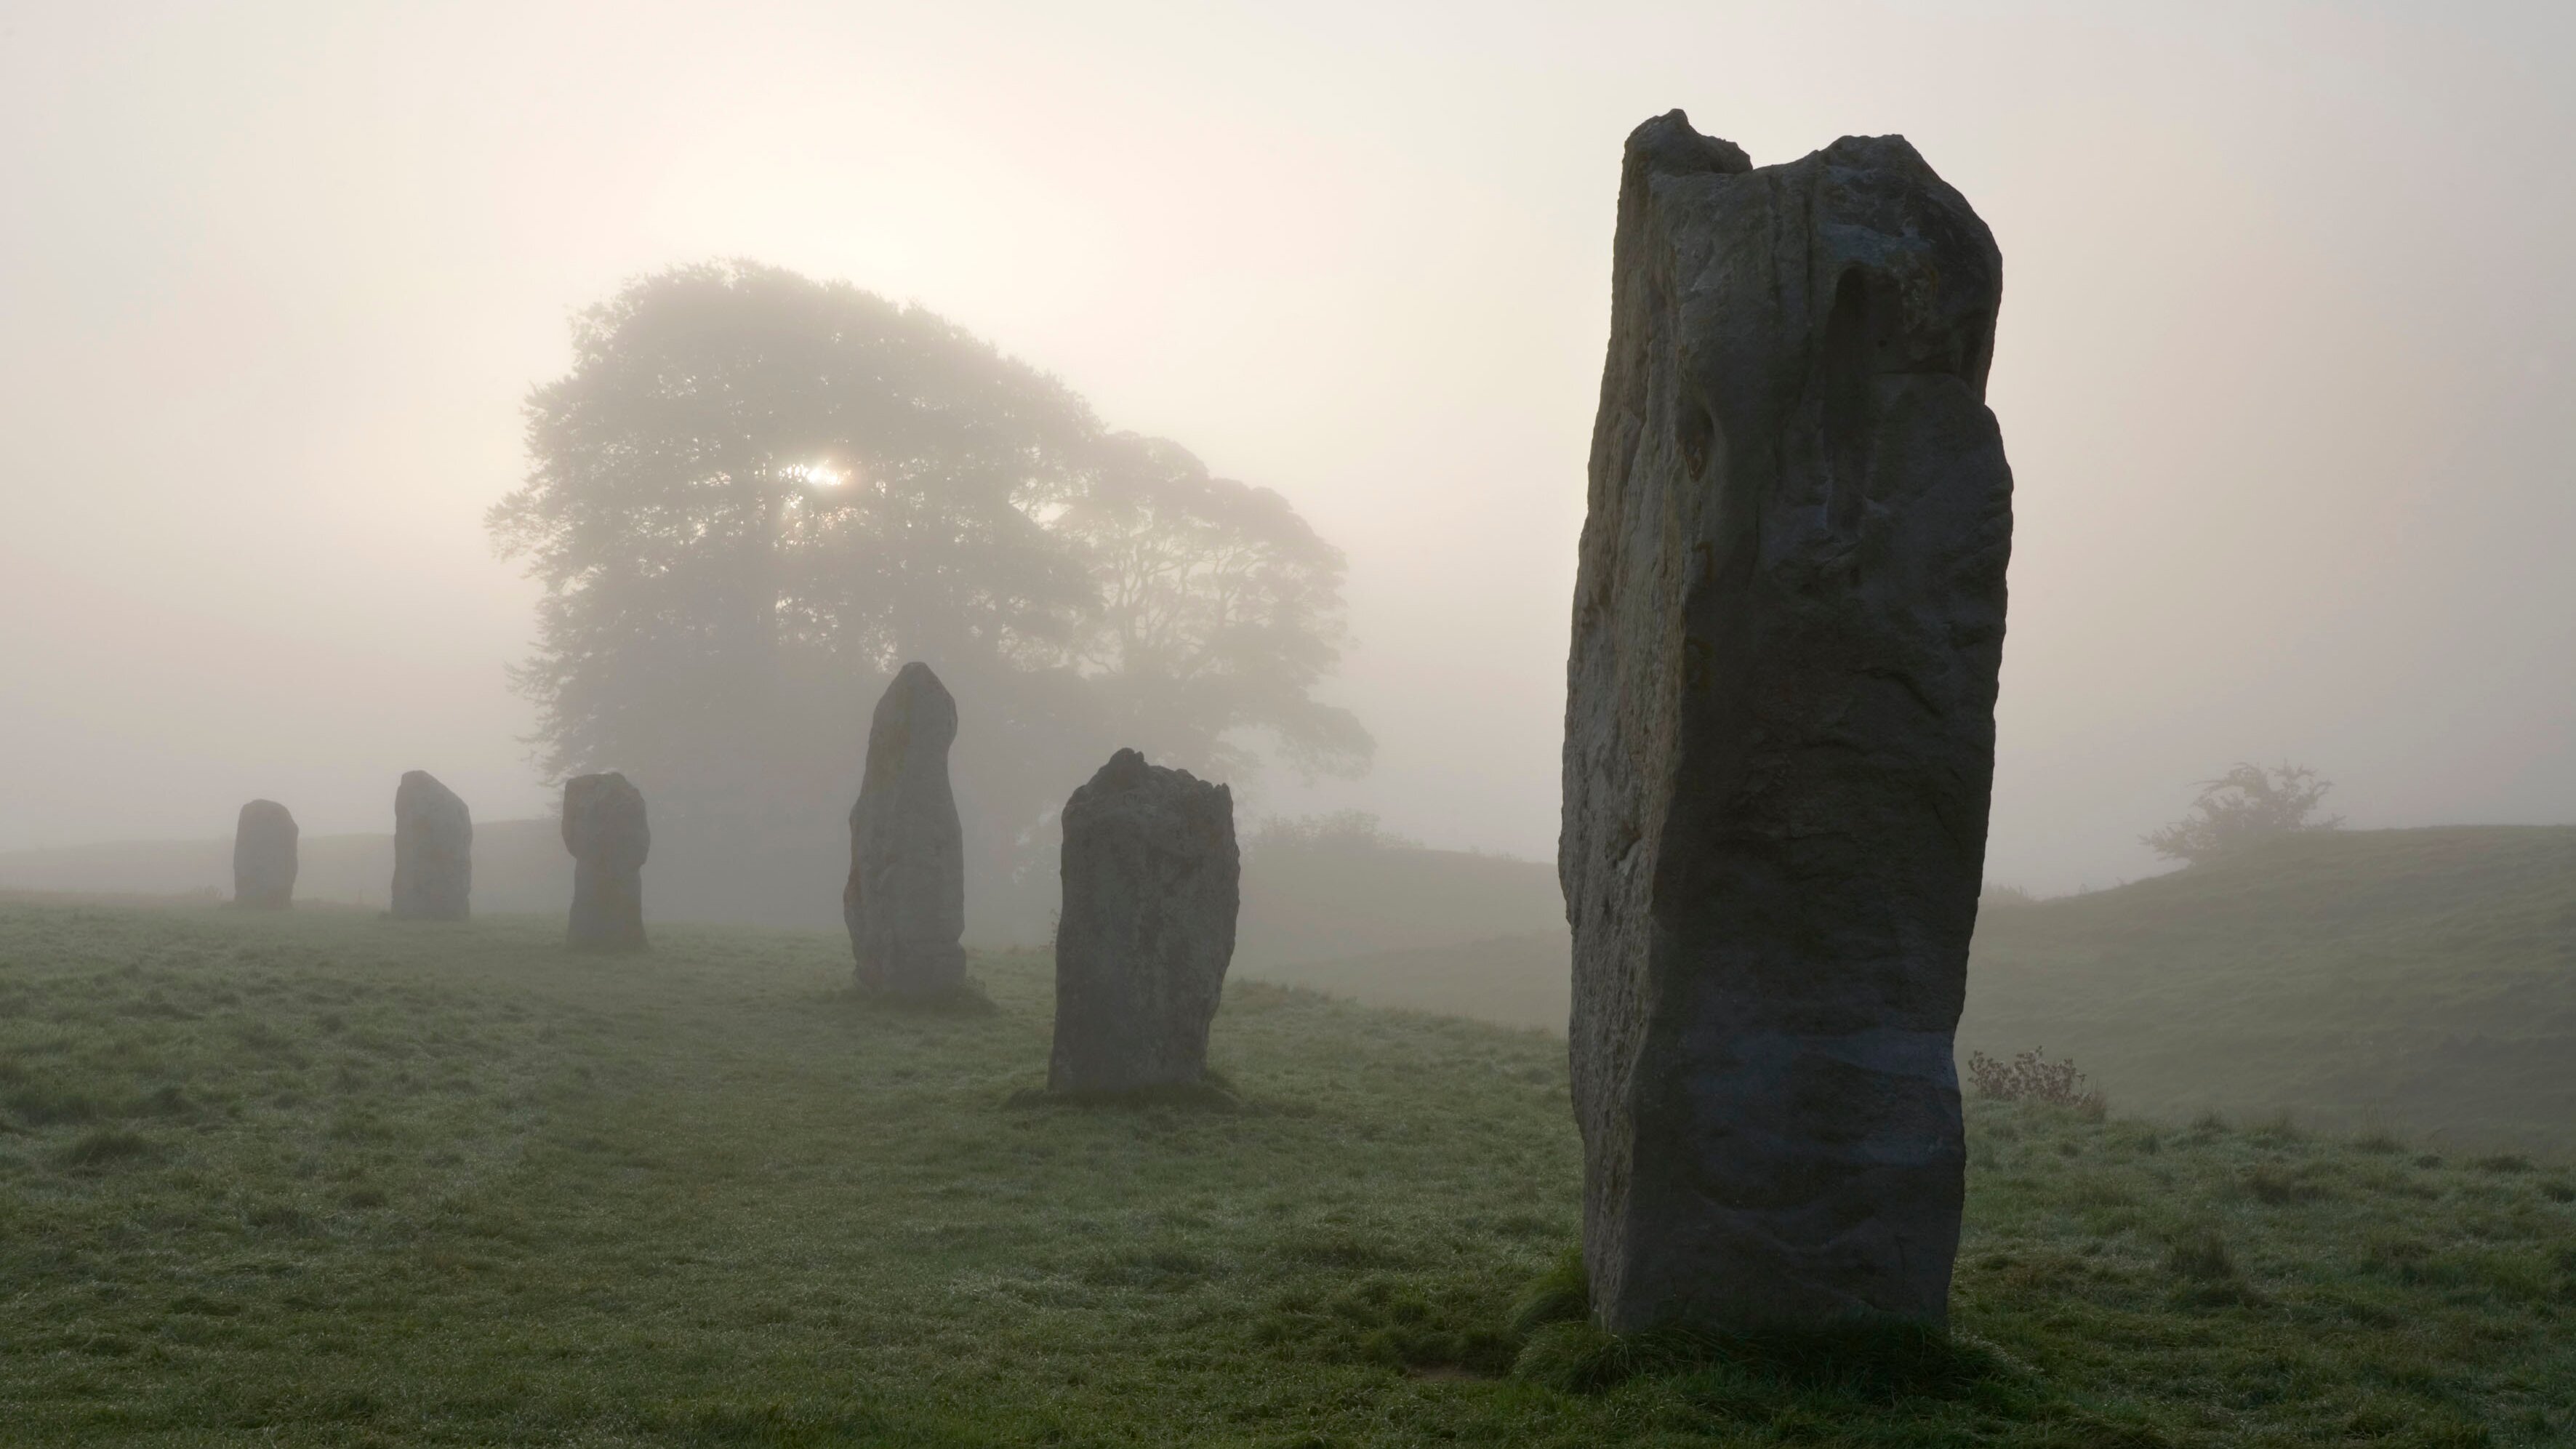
(433,851)
(1152,882)
(905,903)
(264,856)
(605,829)
(1779,742)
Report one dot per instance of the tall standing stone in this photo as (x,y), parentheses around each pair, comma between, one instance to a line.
(1152,881)
(433,851)
(264,856)
(905,903)
(1779,733)
(604,828)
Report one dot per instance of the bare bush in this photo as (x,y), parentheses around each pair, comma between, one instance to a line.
(2032,1077)
(2246,804)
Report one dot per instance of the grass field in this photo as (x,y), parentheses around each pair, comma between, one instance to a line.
(321,1178)
(1523,981)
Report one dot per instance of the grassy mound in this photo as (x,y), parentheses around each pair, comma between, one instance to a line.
(324,1178)
(2423,980)
(2418,980)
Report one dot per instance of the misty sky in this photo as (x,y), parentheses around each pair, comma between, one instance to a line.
(2283,366)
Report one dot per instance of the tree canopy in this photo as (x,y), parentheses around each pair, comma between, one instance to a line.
(755,495)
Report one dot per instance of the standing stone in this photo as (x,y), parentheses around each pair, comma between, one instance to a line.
(905,904)
(603,827)
(1779,733)
(264,856)
(1151,883)
(433,851)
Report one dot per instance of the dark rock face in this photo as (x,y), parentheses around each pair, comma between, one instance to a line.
(433,851)
(604,828)
(1779,733)
(905,904)
(264,856)
(1152,881)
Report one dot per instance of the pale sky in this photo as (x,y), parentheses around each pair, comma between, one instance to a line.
(2283,365)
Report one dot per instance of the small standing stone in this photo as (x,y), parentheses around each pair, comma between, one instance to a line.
(1152,880)
(264,856)
(604,828)
(905,903)
(433,851)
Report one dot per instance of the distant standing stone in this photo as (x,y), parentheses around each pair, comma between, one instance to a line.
(1779,733)
(264,856)
(603,827)
(433,851)
(1152,881)
(905,903)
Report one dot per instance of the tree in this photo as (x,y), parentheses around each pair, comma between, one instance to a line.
(754,496)
(2246,804)
(1219,611)
(750,481)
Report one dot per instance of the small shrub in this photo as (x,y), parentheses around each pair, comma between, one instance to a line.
(2558,1191)
(2032,1077)
(2503,1162)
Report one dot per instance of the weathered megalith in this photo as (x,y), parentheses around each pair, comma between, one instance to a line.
(1779,733)
(603,827)
(1151,883)
(433,851)
(905,904)
(264,856)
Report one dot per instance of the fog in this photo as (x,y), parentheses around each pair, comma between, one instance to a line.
(2282,369)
